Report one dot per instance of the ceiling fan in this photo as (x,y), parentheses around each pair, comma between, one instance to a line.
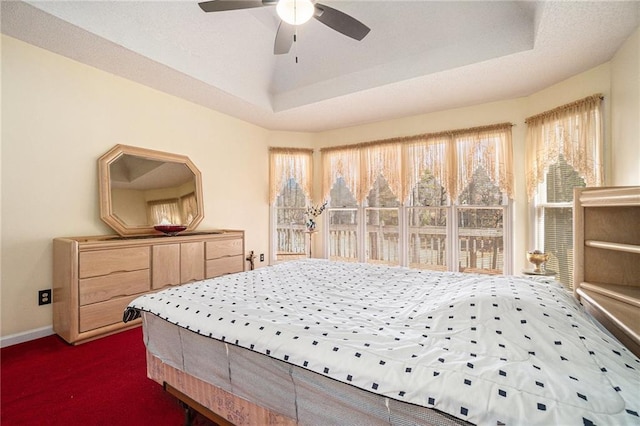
(293,13)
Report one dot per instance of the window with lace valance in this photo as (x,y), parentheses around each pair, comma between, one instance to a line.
(393,200)
(452,157)
(290,192)
(564,149)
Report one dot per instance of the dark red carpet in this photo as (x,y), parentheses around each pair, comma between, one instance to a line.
(103,382)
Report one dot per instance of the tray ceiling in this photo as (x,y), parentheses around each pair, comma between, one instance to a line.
(420,56)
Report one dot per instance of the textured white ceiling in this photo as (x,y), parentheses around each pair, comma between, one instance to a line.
(420,56)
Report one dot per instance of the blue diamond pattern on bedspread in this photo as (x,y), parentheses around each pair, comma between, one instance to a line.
(485,349)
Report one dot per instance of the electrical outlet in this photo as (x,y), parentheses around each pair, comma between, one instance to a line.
(44,297)
(261,257)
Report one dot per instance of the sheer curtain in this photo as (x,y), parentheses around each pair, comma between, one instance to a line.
(290,163)
(429,154)
(489,149)
(341,162)
(451,156)
(164,211)
(573,131)
(189,207)
(382,159)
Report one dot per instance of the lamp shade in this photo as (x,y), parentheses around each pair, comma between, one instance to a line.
(295,12)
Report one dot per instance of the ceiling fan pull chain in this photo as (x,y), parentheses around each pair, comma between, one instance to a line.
(295,45)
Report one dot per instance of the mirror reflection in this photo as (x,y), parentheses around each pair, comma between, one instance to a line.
(140,188)
(149,192)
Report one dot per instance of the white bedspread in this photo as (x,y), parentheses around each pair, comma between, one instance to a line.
(486,349)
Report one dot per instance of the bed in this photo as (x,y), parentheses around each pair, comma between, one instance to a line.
(321,342)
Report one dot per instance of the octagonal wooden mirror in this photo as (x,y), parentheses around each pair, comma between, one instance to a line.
(140,188)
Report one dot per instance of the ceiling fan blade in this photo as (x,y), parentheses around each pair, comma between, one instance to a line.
(341,22)
(223,5)
(284,38)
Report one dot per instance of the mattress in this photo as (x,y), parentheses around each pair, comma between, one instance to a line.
(483,349)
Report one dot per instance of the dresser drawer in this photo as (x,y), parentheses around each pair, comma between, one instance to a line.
(224,265)
(103,314)
(222,248)
(104,262)
(106,287)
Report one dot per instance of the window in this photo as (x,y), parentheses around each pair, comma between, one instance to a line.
(427,212)
(289,213)
(290,192)
(480,214)
(382,232)
(564,151)
(343,223)
(437,201)
(554,217)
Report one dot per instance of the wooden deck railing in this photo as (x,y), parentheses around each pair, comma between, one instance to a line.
(479,249)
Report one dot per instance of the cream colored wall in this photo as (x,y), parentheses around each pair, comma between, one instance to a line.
(625,116)
(62,117)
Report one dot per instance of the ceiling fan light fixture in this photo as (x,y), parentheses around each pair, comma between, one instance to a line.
(295,12)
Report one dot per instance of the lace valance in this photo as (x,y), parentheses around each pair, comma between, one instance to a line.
(574,131)
(287,163)
(451,157)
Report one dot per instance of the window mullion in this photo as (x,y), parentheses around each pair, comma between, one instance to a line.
(273,241)
(507,237)
(555,205)
(403,235)
(362,229)
(452,240)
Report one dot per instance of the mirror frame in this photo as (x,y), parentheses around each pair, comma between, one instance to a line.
(106,205)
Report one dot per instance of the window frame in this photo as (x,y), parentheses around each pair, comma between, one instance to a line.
(538,209)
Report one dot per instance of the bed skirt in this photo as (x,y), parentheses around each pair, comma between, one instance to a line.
(247,388)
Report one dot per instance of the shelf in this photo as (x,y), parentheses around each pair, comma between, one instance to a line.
(628,248)
(602,197)
(623,315)
(623,293)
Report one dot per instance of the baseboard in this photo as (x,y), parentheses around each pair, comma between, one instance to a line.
(26,336)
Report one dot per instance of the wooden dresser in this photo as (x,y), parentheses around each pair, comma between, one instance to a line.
(607,258)
(95,278)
